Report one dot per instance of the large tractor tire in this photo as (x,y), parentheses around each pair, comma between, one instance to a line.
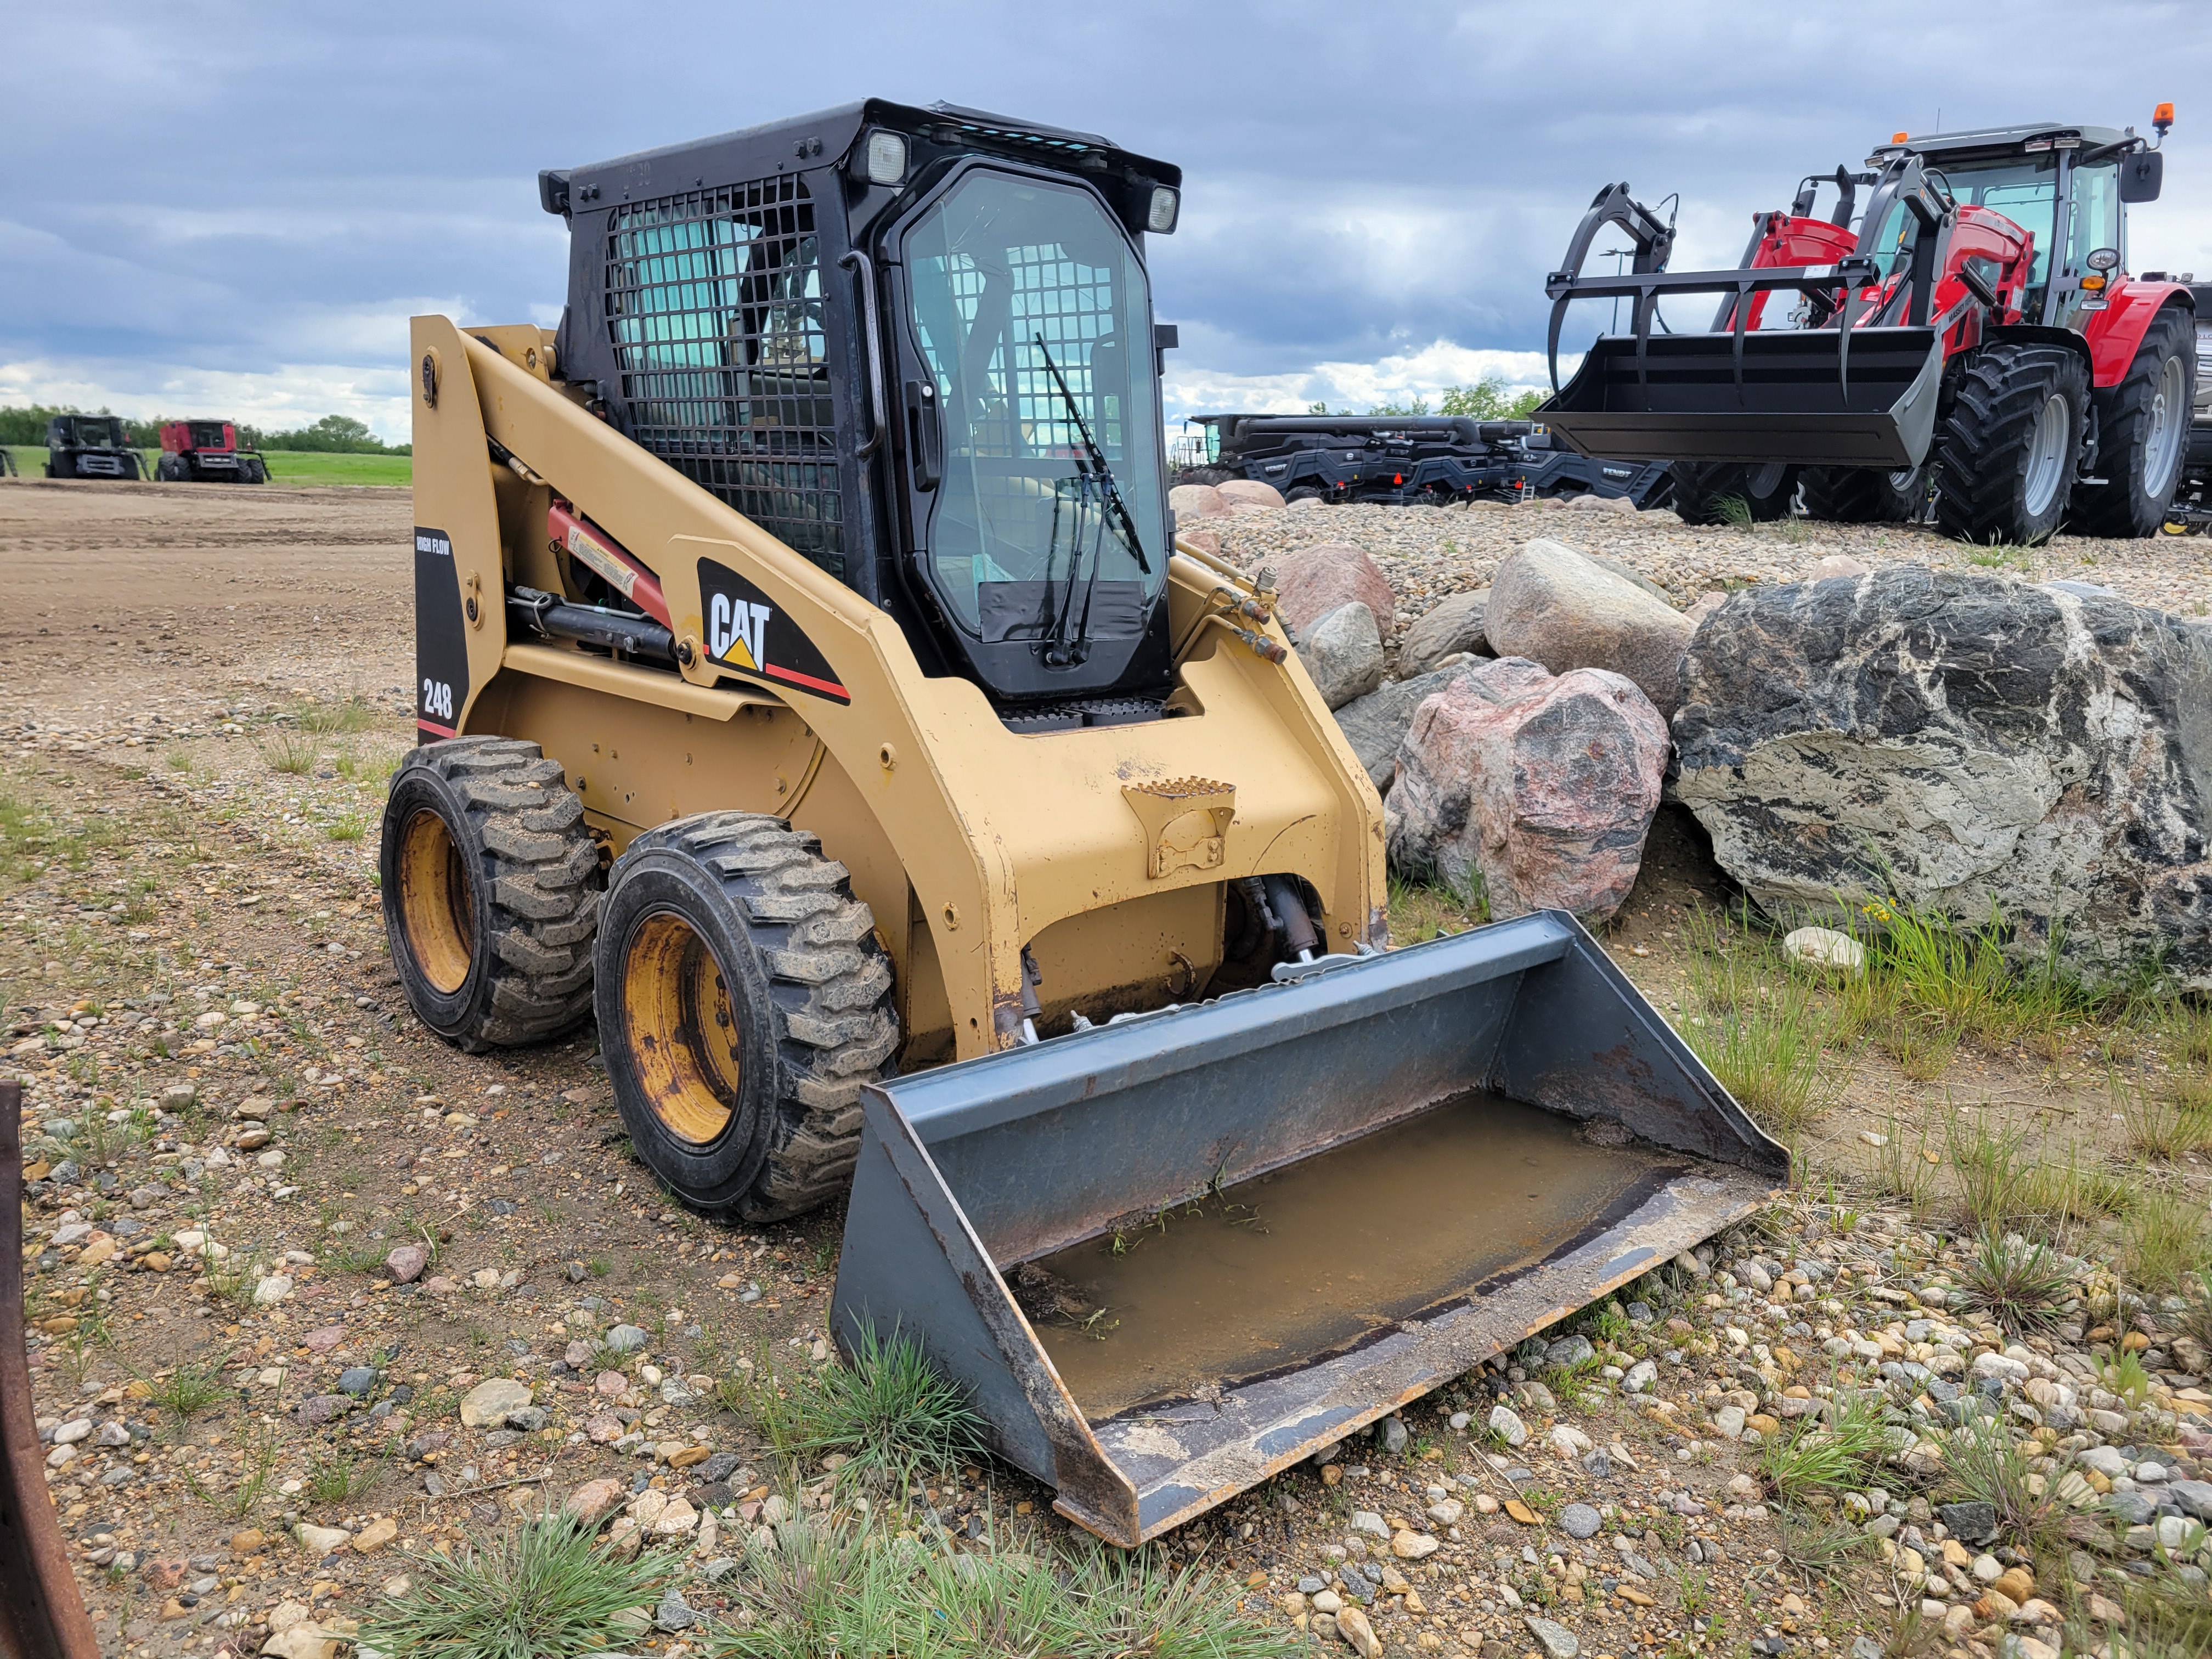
(252,472)
(743,1001)
(491,892)
(172,469)
(2143,426)
(1700,487)
(2012,445)
(1865,495)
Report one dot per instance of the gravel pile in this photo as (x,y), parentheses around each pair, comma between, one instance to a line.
(1428,553)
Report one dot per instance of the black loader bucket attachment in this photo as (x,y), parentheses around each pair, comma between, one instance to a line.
(1172,1255)
(1811,396)
(42,1616)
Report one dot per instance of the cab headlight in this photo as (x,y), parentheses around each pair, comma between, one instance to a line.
(1167,203)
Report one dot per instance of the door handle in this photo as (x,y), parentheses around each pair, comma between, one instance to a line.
(924,433)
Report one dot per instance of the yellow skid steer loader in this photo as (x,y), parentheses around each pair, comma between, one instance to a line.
(812,688)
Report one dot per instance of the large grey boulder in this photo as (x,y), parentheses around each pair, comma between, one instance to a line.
(1453,627)
(1376,725)
(1544,785)
(1966,739)
(1551,606)
(1343,653)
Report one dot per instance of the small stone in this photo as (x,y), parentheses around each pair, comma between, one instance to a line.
(593,1501)
(1412,1545)
(357,1379)
(318,1541)
(1394,1435)
(1520,1512)
(1557,1640)
(1507,1427)
(271,1291)
(626,1339)
(375,1536)
(406,1262)
(1351,1624)
(1824,948)
(1580,1520)
(1729,1422)
(487,1404)
(1369,1522)
(1972,1523)
(1640,1377)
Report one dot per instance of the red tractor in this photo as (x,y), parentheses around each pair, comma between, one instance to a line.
(207,451)
(1971,338)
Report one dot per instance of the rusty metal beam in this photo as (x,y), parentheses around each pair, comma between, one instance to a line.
(41,1614)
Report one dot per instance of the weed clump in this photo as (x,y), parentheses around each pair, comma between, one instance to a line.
(547,1587)
(888,1411)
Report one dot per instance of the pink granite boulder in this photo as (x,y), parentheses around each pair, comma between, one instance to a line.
(1542,786)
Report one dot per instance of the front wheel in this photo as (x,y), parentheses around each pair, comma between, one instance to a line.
(1865,495)
(2011,447)
(2144,423)
(744,1000)
(491,892)
(1710,492)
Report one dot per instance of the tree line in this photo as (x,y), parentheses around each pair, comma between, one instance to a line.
(1488,399)
(339,435)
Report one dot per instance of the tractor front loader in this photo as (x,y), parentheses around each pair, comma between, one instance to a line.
(1975,339)
(812,690)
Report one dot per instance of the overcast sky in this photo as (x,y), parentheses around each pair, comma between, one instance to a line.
(234,210)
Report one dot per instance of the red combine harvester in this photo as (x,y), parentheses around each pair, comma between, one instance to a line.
(1973,336)
(195,452)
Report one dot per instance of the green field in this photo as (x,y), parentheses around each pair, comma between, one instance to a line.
(297,468)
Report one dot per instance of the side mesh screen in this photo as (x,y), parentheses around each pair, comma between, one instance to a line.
(714,305)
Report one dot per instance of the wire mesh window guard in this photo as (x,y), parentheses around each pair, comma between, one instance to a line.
(714,305)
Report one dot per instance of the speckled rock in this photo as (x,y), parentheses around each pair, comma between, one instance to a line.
(1551,605)
(1376,725)
(1969,739)
(1543,786)
(1314,582)
(1251,490)
(1343,654)
(1454,626)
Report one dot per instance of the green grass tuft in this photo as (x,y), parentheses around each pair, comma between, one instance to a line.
(821,1592)
(2019,1285)
(1813,1457)
(887,1412)
(1986,1465)
(188,1390)
(545,1588)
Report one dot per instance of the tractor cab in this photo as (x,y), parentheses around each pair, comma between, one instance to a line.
(917,344)
(89,446)
(2067,187)
(207,451)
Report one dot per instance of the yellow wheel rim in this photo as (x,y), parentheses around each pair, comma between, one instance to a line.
(435,905)
(684,1037)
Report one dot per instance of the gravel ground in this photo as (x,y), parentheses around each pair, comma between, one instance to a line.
(1428,553)
(239,1124)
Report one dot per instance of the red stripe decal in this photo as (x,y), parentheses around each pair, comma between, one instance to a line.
(827,688)
(422,725)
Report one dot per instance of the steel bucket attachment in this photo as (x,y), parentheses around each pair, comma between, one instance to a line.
(1810,397)
(1172,1257)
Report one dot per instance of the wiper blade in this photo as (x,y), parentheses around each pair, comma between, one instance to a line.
(1096,459)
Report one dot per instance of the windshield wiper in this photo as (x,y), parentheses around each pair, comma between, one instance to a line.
(1096,459)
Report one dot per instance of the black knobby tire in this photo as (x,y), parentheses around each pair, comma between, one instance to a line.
(492,891)
(1701,486)
(1864,494)
(1991,487)
(2143,422)
(253,472)
(744,1001)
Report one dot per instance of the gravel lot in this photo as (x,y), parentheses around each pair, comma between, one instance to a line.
(195,726)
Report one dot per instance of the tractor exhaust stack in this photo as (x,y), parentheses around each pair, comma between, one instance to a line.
(1170,1256)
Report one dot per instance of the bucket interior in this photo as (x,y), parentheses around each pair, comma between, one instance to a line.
(1315,1258)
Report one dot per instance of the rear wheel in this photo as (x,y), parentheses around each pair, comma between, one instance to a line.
(491,892)
(254,471)
(1865,495)
(1702,490)
(171,469)
(744,1001)
(2143,429)
(2010,448)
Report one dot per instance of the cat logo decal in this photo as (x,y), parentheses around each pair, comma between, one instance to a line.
(746,633)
